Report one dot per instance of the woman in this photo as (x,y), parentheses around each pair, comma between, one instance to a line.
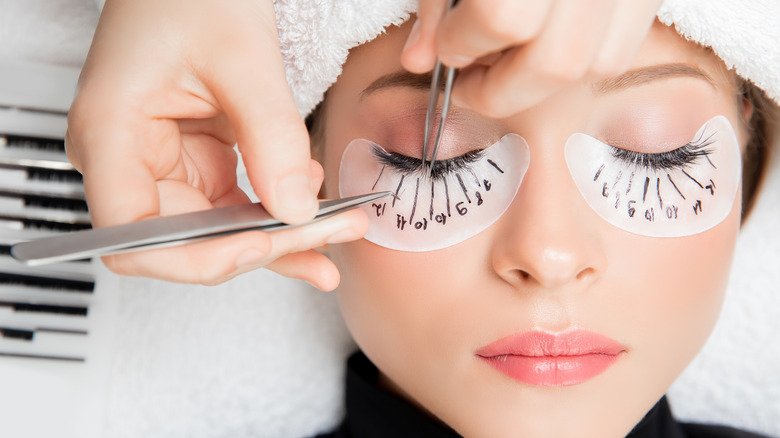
(554,318)
(549,268)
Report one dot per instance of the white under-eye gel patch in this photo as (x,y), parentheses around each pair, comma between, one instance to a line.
(677,193)
(463,196)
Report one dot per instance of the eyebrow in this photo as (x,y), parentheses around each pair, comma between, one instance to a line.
(399,79)
(643,75)
(631,78)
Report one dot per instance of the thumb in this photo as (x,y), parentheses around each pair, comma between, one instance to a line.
(271,134)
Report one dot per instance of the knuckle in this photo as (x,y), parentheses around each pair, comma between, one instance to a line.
(76,115)
(216,281)
(213,276)
(563,69)
(491,103)
(510,20)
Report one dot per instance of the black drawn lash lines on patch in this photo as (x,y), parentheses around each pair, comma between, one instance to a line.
(463,187)
(598,172)
(398,189)
(693,179)
(494,165)
(675,186)
(414,206)
(378,178)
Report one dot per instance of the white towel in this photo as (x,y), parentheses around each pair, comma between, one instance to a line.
(745,34)
(263,355)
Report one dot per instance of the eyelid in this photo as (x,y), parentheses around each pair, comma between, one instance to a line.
(399,124)
(677,158)
(407,164)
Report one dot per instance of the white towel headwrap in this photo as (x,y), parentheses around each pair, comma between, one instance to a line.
(263,355)
(315,37)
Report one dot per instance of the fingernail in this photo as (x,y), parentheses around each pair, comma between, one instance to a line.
(414,35)
(295,193)
(250,257)
(454,60)
(343,236)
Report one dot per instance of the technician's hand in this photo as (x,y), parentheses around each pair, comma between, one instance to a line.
(168,88)
(531,48)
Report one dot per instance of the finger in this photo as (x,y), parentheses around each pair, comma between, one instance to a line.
(209,262)
(475,28)
(309,266)
(71,153)
(419,54)
(317,176)
(202,262)
(293,255)
(271,134)
(345,227)
(119,184)
(208,160)
(631,21)
(526,75)
(120,132)
(217,260)
(122,149)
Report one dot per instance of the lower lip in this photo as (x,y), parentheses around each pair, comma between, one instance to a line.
(552,370)
(544,359)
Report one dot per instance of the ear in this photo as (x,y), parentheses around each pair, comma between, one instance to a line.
(747,110)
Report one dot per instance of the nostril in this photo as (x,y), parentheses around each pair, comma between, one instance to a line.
(585,273)
(524,275)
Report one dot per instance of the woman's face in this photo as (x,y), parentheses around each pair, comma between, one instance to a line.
(606,319)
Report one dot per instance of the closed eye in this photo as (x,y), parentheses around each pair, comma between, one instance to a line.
(679,158)
(441,168)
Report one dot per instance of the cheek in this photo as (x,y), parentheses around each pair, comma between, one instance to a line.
(412,314)
(388,298)
(673,290)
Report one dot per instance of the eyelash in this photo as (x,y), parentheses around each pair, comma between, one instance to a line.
(441,168)
(679,158)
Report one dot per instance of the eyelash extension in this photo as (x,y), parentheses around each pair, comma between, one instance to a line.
(679,158)
(407,165)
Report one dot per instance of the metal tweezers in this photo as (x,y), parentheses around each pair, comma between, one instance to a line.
(449,78)
(161,232)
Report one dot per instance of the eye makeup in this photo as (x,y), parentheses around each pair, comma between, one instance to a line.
(681,157)
(463,196)
(675,193)
(440,169)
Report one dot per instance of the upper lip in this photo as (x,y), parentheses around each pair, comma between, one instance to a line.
(537,343)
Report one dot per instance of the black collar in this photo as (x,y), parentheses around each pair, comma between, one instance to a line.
(375,413)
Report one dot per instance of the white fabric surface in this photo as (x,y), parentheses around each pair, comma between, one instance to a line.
(263,355)
(745,34)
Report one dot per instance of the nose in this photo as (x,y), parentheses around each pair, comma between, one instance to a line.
(549,237)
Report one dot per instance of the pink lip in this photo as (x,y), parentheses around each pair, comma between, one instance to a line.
(552,359)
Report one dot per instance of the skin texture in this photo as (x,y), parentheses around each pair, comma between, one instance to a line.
(536,48)
(549,263)
(169,87)
(166,91)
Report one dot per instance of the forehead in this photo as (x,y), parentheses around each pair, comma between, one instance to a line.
(663,45)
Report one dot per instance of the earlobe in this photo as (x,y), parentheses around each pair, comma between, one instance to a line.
(747,110)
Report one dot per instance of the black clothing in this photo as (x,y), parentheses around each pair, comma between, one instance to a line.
(375,413)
